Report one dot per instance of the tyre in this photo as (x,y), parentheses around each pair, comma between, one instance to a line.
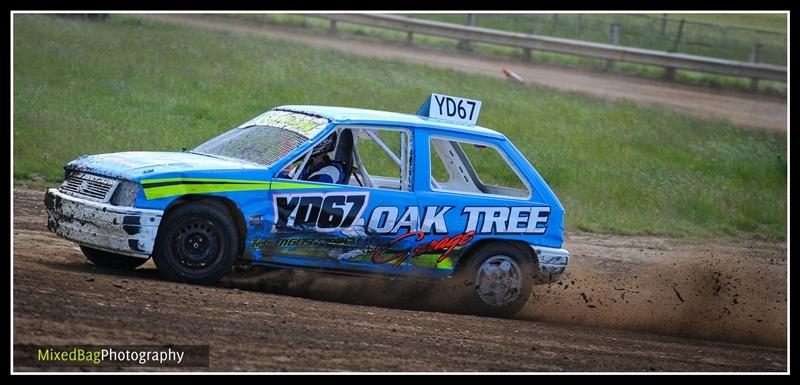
(197,243)
(112,260)
(495,280)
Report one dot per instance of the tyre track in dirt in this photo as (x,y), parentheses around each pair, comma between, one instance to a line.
(310,322)
(759,111)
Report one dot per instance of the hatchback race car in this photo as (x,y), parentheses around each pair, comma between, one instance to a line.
(429,195)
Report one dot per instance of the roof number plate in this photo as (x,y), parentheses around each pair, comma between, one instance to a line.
(451,109)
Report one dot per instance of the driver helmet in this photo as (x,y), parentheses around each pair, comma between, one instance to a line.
(326,146)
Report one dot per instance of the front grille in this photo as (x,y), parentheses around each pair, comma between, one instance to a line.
(88,186)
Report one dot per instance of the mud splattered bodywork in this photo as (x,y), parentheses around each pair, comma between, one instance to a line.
(103,226)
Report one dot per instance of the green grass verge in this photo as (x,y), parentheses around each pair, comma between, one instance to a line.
(127,84)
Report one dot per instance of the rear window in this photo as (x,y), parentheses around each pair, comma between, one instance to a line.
(474,167)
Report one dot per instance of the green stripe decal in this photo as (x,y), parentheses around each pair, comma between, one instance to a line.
(194,180)
(162,188)
(304,185)
(167,187)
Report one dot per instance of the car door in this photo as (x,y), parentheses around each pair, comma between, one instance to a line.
(350,226)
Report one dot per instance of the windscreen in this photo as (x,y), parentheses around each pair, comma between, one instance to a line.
(266,138)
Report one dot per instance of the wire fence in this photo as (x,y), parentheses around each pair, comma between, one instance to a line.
(643,31)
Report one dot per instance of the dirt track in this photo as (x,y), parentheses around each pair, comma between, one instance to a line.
(738,107)
(325,323)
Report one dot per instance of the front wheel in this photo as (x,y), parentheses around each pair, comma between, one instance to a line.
(197,243)
(496,280)
(111,260)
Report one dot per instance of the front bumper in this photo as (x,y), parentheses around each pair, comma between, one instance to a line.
(121,230)
(552,263)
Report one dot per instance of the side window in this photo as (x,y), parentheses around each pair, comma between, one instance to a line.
(307,164)
(473,167)
(382,158)
(364,156)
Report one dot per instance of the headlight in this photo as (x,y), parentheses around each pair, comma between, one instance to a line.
(125,195)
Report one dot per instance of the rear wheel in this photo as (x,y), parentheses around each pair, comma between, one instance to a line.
(112,260)
(197,243)
(495,280)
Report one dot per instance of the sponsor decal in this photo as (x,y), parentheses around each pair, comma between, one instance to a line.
(442,246)
(296,242)
(348,236)
(481,220)
(340,210)
(256,220)
(303,124)
(507,220)
(385,219)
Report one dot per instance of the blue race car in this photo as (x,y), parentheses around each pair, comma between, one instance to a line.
(429,195)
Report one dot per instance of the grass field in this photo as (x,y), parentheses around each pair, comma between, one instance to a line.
(127,84)
(595,30)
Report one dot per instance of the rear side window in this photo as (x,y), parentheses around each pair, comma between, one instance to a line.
(473,167)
